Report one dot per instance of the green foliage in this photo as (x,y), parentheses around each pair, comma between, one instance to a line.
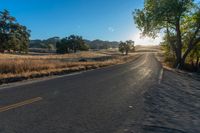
(84,47)
(157,14)
(126,47)
(180,21)
(13,36)
(71,43)
(62,46)
(122,47)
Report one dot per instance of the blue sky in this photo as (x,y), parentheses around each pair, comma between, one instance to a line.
(92,19)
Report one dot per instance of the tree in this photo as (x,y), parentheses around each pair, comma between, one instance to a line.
(179,18)
(131,44)
(75,42)
(13,36)
(126,47)
(71,43)
(62,46)
(84,47)
(122,47)
(49,46)
(169,52)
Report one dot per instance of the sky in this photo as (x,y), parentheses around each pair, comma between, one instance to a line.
(93,19)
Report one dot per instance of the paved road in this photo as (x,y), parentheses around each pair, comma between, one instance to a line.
(108,100)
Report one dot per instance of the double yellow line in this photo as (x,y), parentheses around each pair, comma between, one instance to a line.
(16,105)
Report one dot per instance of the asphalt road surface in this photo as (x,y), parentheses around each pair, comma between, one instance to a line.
(107,100)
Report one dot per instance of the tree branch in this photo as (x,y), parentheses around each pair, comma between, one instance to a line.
(194,36)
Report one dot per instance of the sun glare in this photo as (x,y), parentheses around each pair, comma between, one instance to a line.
(139,40)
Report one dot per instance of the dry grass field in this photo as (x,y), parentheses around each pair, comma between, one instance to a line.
(52,56)
(20,67)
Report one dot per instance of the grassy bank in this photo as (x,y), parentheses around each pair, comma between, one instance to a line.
(16,68)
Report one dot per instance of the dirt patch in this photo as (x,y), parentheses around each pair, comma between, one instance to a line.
(173,106)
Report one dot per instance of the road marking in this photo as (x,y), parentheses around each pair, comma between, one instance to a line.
(160,76)
(20,104)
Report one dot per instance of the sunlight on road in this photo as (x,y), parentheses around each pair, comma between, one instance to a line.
(145,72)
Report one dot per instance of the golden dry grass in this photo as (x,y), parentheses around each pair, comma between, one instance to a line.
(35,66)
(53,56)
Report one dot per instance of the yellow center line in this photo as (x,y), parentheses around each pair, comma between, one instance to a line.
(16,105)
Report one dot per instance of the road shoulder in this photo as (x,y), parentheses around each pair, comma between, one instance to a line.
(173,105)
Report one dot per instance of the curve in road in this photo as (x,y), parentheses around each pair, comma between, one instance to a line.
(108,100)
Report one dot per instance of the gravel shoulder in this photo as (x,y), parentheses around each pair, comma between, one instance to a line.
(173,106)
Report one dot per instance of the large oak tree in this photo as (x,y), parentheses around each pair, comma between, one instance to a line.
(13,36)
(177,18)
(71,43)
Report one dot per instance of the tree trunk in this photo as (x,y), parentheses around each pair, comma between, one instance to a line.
(126,52)
(193,66)
(189,49)
(197,64)
(179,61)
(182,63)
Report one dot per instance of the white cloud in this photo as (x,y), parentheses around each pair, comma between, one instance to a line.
(111,29)
(139,40)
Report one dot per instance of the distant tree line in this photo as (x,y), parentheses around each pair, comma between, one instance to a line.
(50,44)
(180,21)
(72,43)
(13,36)
(126,47)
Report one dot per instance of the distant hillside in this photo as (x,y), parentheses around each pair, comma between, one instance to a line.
(51,43)
(99,44)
